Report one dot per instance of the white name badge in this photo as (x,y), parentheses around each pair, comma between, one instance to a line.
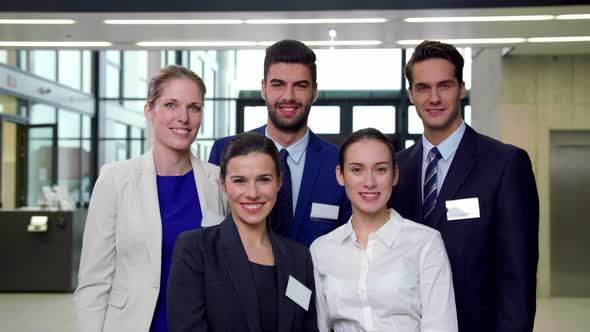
(467,208)
(324,211)
(297,292)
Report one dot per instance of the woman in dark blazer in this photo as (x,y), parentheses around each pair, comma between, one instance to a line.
(239,275)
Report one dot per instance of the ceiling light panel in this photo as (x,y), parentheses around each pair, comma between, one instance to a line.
(466,41)
(173,22)
(479,18)
(53,44)
(573,17)
(317,21)
(35,21)
(559,39)
(197,44)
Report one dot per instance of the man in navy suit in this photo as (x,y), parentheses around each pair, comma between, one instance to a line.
(478,192)
(310,203)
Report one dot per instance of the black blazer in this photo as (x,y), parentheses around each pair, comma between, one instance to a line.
(211,287)
(494,257)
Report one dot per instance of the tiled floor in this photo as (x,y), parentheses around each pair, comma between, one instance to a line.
(35,312)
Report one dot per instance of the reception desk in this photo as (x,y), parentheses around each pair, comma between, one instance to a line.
(40,249)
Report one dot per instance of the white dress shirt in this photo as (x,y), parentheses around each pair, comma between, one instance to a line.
(296,162)
(401,282)
(447,149)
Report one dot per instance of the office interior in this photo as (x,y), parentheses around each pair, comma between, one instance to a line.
(66,109)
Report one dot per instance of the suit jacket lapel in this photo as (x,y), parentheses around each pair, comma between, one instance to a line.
(414,171)
(310,173)
(463,162)
(284,268)
(238,269)
(149,210)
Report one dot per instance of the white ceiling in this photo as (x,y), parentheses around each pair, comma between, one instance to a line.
(90,27)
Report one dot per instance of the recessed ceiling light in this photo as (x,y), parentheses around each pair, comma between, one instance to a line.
(331,43)
(479,18)
(559,39)
(172,22)
(316,21)
(35,21)
(52,44)
(574,17)
(197,44)
(466,41)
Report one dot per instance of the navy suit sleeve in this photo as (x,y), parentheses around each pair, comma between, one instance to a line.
(517,251)
(215,154)
(186,287)
(310,324)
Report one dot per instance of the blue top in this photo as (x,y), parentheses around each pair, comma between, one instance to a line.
(180,211)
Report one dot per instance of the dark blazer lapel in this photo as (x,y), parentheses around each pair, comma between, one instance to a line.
(310,173)
(238,269)
(462,164)
(414,175)
(284,266)
(260,130)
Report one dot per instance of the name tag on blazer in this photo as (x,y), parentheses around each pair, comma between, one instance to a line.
(467,208)
(324,211)
(297,292)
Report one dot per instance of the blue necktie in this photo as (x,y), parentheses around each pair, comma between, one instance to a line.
(282,214)
(430,181)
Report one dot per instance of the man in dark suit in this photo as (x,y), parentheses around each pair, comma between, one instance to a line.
(310,202)
(478,192)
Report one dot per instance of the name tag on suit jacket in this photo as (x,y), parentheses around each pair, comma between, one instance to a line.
(324,211)
(459,209)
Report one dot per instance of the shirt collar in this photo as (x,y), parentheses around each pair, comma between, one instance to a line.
(446,147)
(295,150)
(386,234)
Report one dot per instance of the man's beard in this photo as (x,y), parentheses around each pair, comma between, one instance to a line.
(295,126)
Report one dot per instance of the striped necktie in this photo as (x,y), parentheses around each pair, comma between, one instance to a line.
(430,181)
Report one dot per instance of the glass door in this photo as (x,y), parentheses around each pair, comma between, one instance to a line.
(40,151)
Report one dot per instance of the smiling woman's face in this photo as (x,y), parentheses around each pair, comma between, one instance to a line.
(251,184)
(176,114)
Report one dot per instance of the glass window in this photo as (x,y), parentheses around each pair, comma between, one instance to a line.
(86,126)
(379,117)
(42,114)
(112,81)
(68,169)
(467,114)
(23,60)
(115,129)
(249,70)
(43,63)
(68,124)
(324,119)
(414,122)
(207,120)
(137,142)
(113,57)
(409,143)
(85,185)
(196,64)
(87,71)
(70,68)
(134,74)
(3,56)
(359,69)
(254,117)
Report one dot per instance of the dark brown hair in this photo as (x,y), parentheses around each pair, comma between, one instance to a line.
(361,135)
(430,49)
(290,51)
(246,143)
(165,74)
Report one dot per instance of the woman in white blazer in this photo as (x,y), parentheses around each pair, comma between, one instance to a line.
(137,209)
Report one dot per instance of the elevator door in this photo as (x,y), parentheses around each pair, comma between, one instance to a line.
(570,213)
